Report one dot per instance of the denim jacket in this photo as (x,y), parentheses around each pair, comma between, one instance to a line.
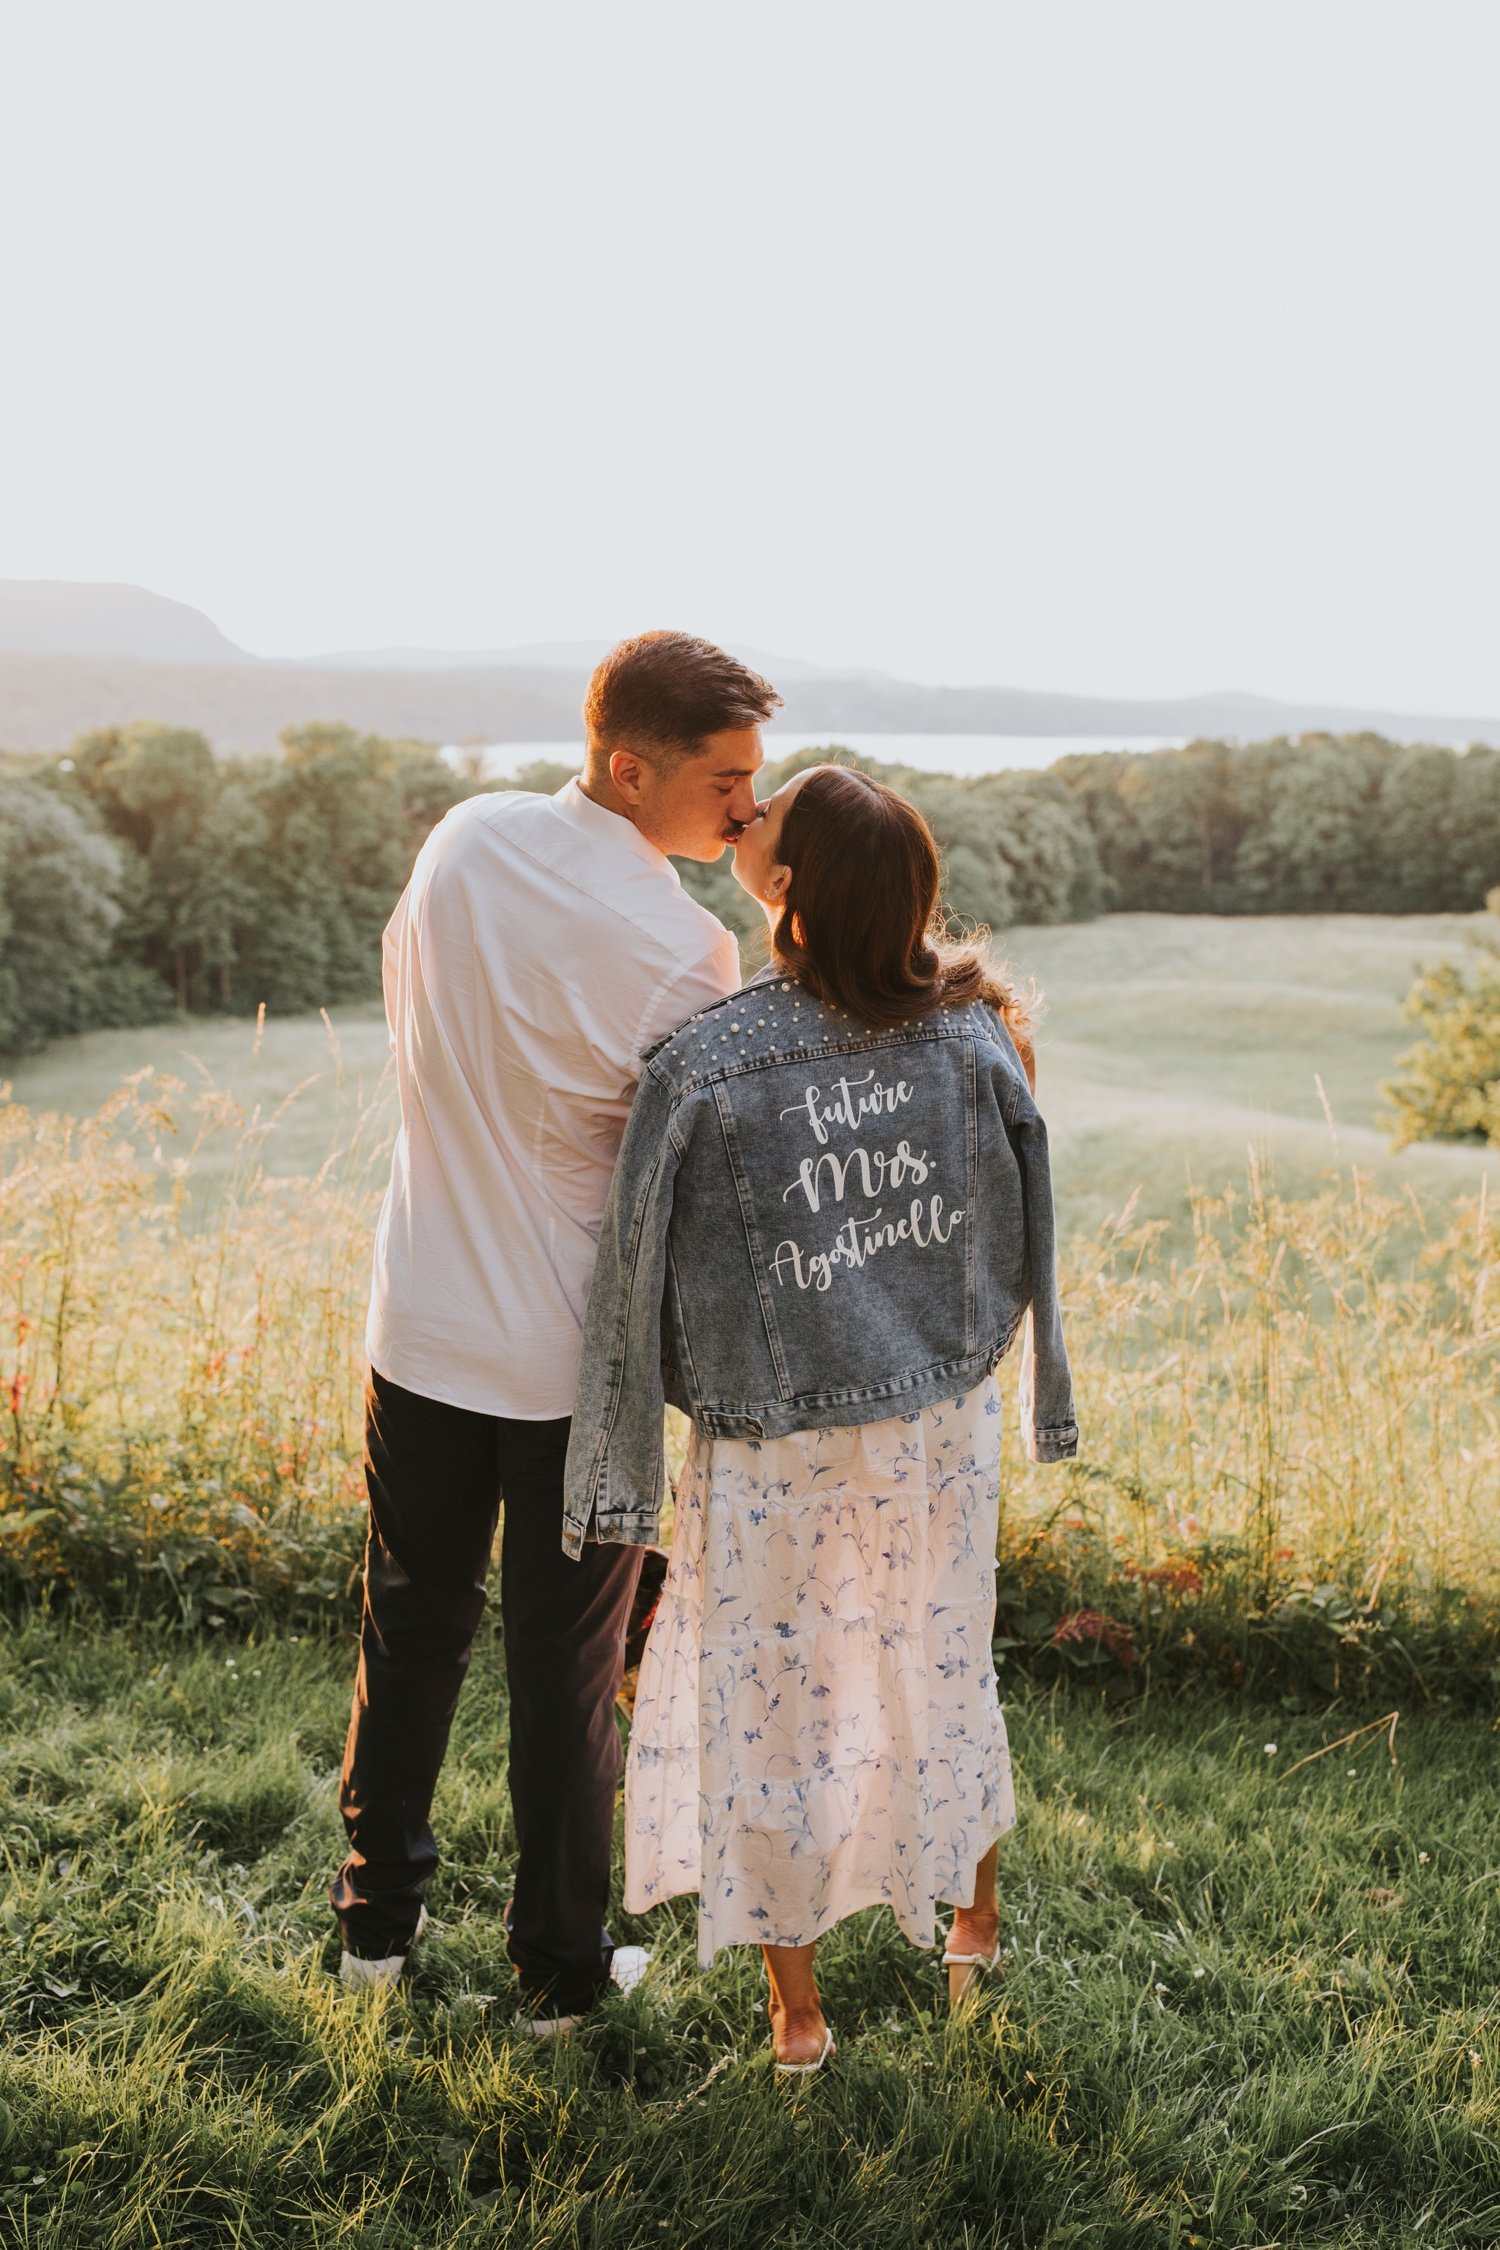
(813,1223)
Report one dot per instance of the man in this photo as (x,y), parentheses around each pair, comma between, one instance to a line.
(540,945)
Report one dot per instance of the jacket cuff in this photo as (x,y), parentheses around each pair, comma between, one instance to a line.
(640,1530)
(1060,1444)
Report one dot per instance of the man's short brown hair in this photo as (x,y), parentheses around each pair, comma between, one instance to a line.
(661,694)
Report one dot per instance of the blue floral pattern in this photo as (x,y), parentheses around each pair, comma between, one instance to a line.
(817,1727)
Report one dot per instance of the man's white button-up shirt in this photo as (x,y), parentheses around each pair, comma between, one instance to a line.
(540,945)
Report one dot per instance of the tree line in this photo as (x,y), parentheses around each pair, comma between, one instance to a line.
(141,874)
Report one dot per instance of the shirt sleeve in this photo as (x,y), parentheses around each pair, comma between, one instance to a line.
(709,980)
(390,962)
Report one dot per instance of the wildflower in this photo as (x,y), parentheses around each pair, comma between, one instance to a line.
(1179,1577)
(1270,1749)
(1093,1625)
(1423,1858)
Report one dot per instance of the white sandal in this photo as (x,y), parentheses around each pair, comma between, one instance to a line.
(805,2070)
(966,1969)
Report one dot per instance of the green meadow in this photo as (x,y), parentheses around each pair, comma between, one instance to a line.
(1170,1043)
(1242,2004)
(1173,1043)
(1249,1646)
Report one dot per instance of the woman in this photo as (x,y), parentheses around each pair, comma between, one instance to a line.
(831,1216)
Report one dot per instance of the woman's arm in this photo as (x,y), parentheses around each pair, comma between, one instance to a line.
(1049,1428)
(616,1460)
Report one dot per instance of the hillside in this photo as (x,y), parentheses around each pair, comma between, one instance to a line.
(79,656)
(63,617)
(46,701)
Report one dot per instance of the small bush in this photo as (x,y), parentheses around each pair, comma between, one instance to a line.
(1449,1088)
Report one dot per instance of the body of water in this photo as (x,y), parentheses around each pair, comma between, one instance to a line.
(933,753)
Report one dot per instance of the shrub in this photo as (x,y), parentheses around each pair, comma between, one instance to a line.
(1449,1088)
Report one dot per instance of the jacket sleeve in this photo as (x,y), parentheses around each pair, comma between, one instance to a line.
(616,1464)
(1049,1430)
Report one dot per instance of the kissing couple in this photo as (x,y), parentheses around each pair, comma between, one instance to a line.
(812,1212)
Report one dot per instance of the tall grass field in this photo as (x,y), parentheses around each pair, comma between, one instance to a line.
(1243,2004)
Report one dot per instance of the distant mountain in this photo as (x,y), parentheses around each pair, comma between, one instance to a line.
(58,617)
(880,706)
(45,701)
(553,656)
(76,656)
(549,656)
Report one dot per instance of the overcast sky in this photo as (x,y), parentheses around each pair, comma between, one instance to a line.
(1143,347)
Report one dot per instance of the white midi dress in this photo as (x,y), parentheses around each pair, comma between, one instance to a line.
(817,1727)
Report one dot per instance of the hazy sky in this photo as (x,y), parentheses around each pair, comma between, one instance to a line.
(1108,345)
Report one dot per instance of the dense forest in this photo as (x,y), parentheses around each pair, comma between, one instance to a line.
(141,874)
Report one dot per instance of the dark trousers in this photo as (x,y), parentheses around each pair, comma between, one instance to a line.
(436,1475)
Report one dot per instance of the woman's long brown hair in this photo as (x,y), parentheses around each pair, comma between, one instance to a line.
(859,924)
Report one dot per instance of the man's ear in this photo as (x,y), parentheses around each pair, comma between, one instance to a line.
(627,772)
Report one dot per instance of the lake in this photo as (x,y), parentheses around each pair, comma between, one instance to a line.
(933,753)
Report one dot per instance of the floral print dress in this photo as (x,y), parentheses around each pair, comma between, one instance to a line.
(817,1727)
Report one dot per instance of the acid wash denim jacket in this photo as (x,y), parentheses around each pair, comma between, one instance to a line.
(813,1223)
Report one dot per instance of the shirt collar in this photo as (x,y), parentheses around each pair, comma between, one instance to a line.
(609,827)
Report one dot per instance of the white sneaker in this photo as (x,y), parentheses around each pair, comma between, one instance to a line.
(548,2027)
(370,1974)
(628,1965)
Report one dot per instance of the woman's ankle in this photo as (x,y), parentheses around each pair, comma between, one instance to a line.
(797,2034)
(975,1929)
(795,2006)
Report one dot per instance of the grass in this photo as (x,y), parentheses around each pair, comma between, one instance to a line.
(1242,2005)
(1173,1041)
(305,1072)
(1290,1467)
